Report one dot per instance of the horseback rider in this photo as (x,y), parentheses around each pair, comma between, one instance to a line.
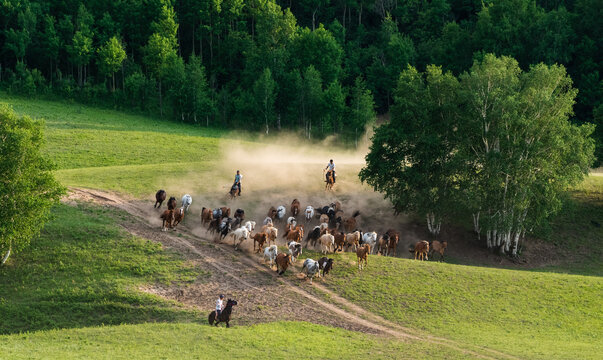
(219,305)
(331,168)
(237,182)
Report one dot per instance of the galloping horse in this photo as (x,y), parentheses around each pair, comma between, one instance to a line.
(224,315)
(330,181)
(159,198)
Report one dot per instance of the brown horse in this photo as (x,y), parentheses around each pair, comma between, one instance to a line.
(421,250)
(392,245)
(225,211)
(224,315)
(272,212)
(295,205)
(178,216)
(362,254)
(159,198)
(206,216)
(259,238)
(330,181)
(339,241)
(295,235)
(438,247)
(282,262)
(350,224)
(168,218)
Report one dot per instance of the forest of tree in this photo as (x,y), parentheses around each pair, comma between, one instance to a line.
(320,67)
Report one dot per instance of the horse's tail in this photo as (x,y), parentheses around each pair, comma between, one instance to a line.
(211,318)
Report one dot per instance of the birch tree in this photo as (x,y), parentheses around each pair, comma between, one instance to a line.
(27,185)
(518,145)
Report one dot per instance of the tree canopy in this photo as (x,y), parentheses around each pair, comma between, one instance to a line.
(236,41)
(496,142)
(27,185)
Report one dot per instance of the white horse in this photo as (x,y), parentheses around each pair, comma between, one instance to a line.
(240,235)
(309,213)
(250,225)
(280,212)
(371,239)
(311,268)
(270,253)
(291,221)
(187,200)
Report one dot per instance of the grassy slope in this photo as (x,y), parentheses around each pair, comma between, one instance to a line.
(529,314)
(573,228)
(284,340)
(117,151)
(85,271)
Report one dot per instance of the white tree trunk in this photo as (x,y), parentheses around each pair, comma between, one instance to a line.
(5,257)
(476,227)
(433,224)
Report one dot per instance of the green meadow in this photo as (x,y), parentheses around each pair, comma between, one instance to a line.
(75,292)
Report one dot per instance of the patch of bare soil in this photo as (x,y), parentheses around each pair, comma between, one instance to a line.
(263,296)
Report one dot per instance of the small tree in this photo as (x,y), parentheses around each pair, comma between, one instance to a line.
(111,56)
(361,111)
(81,51)
(264,91)
(27,186)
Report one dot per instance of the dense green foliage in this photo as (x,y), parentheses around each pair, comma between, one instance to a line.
(48,45)
(84,270)
(27,185)
(529,314)
(497,141)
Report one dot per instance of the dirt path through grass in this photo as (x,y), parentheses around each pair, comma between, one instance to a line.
(267,297)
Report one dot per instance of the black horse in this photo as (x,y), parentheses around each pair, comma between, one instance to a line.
(159,198)
(224,315)
(225,227)
(239,217)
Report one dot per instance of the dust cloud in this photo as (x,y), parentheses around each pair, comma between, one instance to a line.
(276,171)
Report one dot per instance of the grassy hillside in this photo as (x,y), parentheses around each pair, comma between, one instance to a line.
(530,314)
(283,340)
(85,271)
(117,151)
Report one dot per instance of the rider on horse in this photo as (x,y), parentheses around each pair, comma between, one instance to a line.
(331,167)
(237,182)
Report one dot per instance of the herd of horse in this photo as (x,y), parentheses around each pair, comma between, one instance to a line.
(332,232)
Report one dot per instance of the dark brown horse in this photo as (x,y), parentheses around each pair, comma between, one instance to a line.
(295,205)
(224,315)
(330,180)
(171,203)
(159,198)
(392,245)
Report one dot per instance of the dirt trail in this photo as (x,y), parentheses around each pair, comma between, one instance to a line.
(242,275)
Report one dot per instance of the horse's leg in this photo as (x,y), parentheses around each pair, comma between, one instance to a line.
(227,323)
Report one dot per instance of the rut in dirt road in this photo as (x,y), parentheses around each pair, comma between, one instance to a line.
(271,286)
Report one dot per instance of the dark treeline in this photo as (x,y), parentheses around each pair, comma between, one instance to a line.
(320,66)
